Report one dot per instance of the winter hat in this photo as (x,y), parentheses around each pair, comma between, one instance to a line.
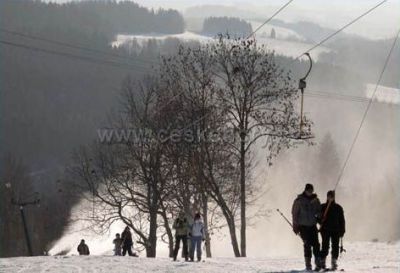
(331,194)
(309,187)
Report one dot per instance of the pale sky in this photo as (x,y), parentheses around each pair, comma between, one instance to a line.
(381,23)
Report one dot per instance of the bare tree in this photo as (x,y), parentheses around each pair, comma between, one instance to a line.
(258,97)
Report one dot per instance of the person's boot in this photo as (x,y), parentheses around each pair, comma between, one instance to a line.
(198,258)
(317,262)
(334,264)
(323,263)
(308,263)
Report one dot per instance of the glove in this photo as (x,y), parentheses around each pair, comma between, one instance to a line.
(296,229)
(203,239)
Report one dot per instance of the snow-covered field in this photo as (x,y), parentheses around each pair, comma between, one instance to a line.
(282,47)
(360,257)
(186,36)
(384,94)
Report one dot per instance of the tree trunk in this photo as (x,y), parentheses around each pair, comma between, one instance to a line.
(242,195)
(152,242)
(230,220)
(232,232)
(169,231)
(205,219)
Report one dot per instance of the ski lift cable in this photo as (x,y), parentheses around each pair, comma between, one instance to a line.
(334,94)
(270,18)
(318,95)
(75,56)
(339,30)
(65,44)
(366,110)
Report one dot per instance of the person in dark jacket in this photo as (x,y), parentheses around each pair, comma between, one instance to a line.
(127,242)
(83,248)
(332,228)
(305,212)
(181,226)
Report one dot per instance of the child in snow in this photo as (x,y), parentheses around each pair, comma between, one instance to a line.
(197,234)
(117,245)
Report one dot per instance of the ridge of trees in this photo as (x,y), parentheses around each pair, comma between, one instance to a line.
(235,27)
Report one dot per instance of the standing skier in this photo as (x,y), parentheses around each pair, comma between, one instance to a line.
(127,242)
(305,211)
(197,234)
(332,229)
(181,227)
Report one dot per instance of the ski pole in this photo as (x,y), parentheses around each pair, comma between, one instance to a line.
(284,217)
(341,246)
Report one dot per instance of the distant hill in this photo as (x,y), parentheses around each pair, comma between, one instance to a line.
(87,19)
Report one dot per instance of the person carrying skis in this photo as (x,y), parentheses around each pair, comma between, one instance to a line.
(83,248)
(181,227)
(127,242)
(305,211)
(332,229)
(197,235)
(117,245)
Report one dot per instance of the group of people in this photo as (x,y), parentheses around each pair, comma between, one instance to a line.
(186,231)
(122,244)
(307,213)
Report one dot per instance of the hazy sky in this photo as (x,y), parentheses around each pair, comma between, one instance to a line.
(381,23)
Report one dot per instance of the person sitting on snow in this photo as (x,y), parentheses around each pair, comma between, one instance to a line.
(83,249)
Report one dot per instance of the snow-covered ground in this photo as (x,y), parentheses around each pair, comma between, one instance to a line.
(282,47)
(360,257)
(384,94)
(280,32)
(186,36)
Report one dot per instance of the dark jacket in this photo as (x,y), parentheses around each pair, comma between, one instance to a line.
(306,210)
(126,237)
(83,249)
(181,226)
(334,220)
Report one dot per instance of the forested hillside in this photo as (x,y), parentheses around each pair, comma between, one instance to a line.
(226,25)
(59,80)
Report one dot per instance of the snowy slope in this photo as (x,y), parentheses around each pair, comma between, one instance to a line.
(280,32)
(186,36)
(282,47)
(360,257)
